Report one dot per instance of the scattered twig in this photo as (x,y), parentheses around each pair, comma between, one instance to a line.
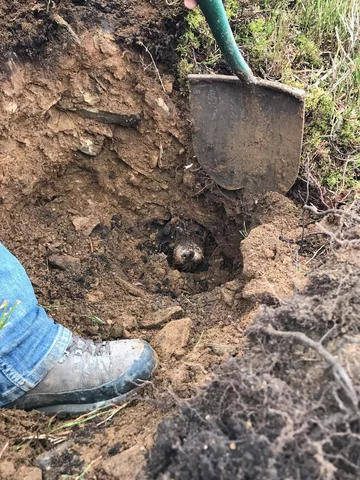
(198,342)
(333,211)
(305,203)
(136,292)
(328,333)
(161,152)
(196,365)
(112,413)
(3,449)
(291,241)
(154,64)
(340,373)
(343,242)
(88,468)
(315,254)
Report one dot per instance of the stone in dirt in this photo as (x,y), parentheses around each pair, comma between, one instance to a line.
(85,225)
(127,465)
(173,338)
(161,317)
(220,349)
(64,262)
(47,460)
(91,147)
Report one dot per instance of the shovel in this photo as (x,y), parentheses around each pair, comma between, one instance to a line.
(247,132)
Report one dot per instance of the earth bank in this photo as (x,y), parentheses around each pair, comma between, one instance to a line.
(96,172)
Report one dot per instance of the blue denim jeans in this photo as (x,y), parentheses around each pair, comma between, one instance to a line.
(30,342)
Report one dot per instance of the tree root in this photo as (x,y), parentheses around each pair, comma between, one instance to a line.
(339,371)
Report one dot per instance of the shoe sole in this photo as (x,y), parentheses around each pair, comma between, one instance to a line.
(72,410)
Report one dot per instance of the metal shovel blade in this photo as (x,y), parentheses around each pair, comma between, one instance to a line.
(247,136)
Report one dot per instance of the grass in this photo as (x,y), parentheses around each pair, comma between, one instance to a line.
(311,44)
(95,319)
(6,311)
(55,435)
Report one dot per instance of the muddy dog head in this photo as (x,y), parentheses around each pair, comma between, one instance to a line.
(187,244)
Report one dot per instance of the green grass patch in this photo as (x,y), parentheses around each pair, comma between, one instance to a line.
(5,312)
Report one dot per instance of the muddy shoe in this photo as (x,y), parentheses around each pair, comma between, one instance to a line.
(91,375)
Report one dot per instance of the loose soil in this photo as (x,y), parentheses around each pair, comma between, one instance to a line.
(96,169)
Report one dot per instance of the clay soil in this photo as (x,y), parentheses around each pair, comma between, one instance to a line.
(95,166)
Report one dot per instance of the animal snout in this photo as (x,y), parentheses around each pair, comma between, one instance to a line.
(187,256)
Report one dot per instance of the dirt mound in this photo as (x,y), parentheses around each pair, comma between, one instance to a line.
(288,407)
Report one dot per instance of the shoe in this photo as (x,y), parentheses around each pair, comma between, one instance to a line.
(91,375)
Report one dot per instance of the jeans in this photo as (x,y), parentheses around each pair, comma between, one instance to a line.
(30,342)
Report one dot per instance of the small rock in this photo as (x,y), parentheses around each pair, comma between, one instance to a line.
(227,296)
(64,262)
(233,285)
(85,225)
(117,331)
(102,116)
(154,158)
(161,317)
(10,107)
(101,231)
(90,147)
(140,88)
(129,322)
(220,349)
(47,460)
(160,101)
(126,465)
(260,290)
(168,85)
(135,179)
(91,99)
(173,338)
(189,179)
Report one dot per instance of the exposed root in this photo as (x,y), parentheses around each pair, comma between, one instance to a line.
(340,373)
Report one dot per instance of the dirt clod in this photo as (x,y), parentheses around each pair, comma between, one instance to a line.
(173,338)
(85,224)
(64,262)
(161,317)
(126,465)
(30,473)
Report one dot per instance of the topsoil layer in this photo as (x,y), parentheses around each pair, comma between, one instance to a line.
(97,179)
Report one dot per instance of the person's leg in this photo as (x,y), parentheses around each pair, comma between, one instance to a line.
(30,342)
(43,366)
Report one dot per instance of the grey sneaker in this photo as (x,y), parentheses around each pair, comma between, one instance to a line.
(91,375)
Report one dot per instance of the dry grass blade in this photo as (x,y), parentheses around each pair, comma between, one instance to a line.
(113,412)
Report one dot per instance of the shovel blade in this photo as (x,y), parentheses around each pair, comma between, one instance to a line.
(247,136)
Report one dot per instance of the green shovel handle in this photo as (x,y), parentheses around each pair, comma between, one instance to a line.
(215,15)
